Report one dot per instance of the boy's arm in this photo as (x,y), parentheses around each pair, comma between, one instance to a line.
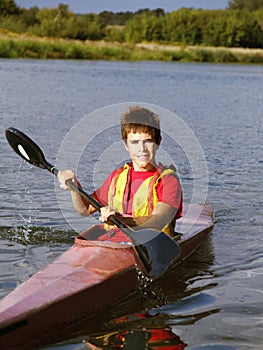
(162,215)
(82,206)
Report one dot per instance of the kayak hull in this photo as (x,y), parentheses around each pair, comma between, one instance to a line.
(54,298)
(85,280)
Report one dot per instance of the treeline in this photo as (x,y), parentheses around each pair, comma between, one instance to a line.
(240,25)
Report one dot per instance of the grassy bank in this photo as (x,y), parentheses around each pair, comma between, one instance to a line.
(22,46)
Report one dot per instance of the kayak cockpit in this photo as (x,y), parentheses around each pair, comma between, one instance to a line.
(90,237)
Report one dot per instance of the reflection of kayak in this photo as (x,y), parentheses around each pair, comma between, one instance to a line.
(138,331)
(88,278)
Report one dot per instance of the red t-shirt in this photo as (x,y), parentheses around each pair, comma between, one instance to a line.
(168,190)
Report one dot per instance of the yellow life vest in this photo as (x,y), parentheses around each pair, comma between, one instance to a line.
(145,198)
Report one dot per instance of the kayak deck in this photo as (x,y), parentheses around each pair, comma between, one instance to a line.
(89,277)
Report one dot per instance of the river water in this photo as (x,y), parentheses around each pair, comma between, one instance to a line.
(217,302)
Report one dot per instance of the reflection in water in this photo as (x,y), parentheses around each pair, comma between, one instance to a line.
(148,337)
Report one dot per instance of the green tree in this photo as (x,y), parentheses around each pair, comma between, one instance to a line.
(245,4)
(145,25)
(133,30)
(111,18)
(114,33)
(107,18)
(252,29)
(183,26)
(85,27)
(151,27)
(233,29)
(8,7)
(52,21)
(29,17)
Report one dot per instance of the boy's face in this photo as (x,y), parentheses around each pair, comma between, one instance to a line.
(142,150)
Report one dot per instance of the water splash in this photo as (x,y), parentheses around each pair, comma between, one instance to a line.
(36,235)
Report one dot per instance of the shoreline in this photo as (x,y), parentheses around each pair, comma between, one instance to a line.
(14,45)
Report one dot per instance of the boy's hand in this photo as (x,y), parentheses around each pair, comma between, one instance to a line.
(64,176)
(106,212)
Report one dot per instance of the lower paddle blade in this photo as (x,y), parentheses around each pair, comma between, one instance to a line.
(158,252)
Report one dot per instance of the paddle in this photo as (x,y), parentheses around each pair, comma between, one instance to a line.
(156,250)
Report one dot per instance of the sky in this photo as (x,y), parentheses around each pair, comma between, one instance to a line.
(97,6)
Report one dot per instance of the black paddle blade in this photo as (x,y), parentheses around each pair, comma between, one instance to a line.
(156,250)
(26,148)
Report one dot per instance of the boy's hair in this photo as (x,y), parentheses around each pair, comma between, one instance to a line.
(140,119)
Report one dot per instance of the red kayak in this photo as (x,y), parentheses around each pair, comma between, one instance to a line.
(87,279)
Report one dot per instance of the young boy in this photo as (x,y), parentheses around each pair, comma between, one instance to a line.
(146,194)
